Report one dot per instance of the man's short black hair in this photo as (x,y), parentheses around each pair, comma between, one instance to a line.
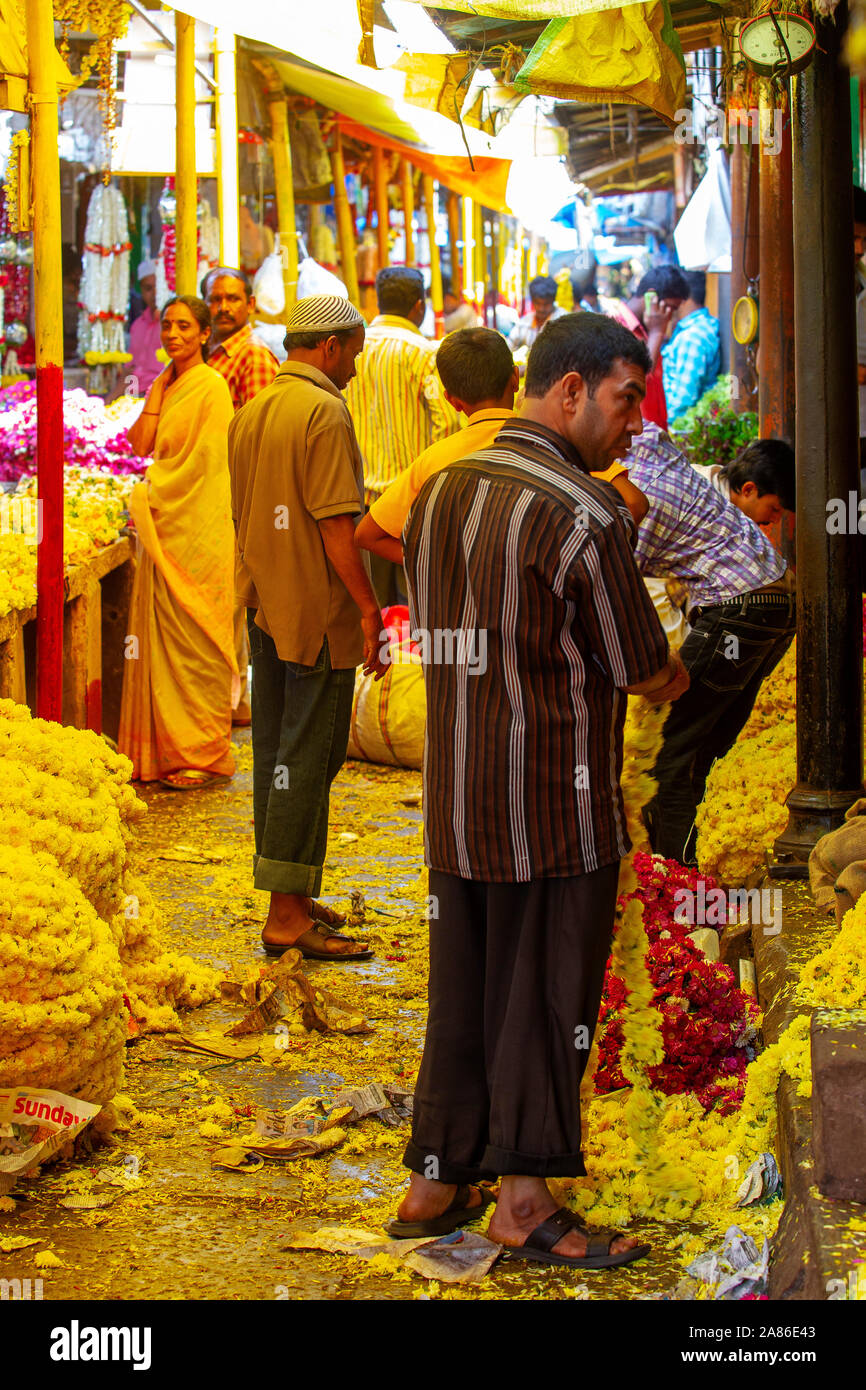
(398,289)
(313,336)
(543,287)
(585,342)
(666,281)
(233,274)
(475,364)
(859,206)
(770,465)
(697,283)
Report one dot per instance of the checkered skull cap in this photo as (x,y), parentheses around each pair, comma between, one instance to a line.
(323,313)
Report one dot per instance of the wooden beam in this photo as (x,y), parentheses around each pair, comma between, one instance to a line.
(345,226)
(380,196)
(226,115)
(186,220)
(281,150)
(408,197)
(429,192)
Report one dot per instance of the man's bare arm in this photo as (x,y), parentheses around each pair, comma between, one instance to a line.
(338,538)
(369,535)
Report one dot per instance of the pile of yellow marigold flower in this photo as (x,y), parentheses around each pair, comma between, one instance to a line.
(80,952)
(743,810)
(93,517)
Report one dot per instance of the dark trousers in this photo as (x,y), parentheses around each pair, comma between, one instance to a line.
(516,974)
(300,732)
(728,653)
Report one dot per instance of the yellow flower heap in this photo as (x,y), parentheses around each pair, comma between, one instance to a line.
(743,810)
(77,930)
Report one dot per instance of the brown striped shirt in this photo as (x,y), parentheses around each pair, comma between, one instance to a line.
(532,616)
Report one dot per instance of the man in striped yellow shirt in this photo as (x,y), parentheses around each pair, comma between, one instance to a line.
(480,379)
(396,400)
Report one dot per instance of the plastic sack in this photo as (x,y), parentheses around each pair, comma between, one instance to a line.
(270,292)
(388,716)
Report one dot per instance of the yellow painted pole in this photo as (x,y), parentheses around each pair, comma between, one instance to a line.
(345,230)
(479,273)
(227,146)
(186,226)
(469,248)
(282,154)
(48,283)
(457,274)
(429,193)
(408,194)
(380,186)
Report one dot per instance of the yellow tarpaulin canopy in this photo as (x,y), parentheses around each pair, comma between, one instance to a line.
(590,50)
(13,58)
(629,54)
(372,112)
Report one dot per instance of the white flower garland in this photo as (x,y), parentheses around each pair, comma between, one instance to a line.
(105,282)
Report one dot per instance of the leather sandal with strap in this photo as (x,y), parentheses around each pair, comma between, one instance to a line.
(539,1244)
(312,945)
(458,1213)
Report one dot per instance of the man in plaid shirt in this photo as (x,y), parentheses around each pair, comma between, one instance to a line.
(692,357)
(741,607)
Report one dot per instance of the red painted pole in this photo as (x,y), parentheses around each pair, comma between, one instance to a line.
(47,261)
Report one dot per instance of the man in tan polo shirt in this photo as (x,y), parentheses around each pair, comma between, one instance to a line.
(297,485)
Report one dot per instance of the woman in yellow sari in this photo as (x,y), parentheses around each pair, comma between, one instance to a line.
(181,675)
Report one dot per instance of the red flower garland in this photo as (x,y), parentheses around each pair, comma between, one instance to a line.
(707,1022)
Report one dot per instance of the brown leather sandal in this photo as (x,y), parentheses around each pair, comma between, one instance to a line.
(459,1213)
(539,1244)
(308,945)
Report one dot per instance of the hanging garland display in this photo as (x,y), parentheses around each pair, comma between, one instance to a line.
(16,344)
(105,282)
(207,241)
(108,20)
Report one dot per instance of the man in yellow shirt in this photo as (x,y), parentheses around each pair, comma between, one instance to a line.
(479,380)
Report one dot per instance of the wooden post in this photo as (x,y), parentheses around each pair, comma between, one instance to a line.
(829,600)
(227,146)
(479,272)
(454,240)
(776,243)
(380,195)
(281,150)
(186,221)
(435,268)
(408,196)
(345,229)
(48,279)
(469,249)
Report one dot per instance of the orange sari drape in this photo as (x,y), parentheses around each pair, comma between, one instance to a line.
(180,675)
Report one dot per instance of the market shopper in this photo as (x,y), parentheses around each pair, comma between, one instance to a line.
(296,486)
(395,399)
(524,817)
(542,295)
(248,366)
(761,481)
(692,355)
(648,314)
(480,381)
(180,673)
(145,333)
(742,612)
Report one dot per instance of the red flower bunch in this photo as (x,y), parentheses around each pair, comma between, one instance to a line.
(707,1022)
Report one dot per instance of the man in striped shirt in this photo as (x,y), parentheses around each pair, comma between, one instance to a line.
(396,401)
(522,580)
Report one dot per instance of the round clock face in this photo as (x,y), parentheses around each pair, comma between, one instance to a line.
(763,51)
(744,320)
